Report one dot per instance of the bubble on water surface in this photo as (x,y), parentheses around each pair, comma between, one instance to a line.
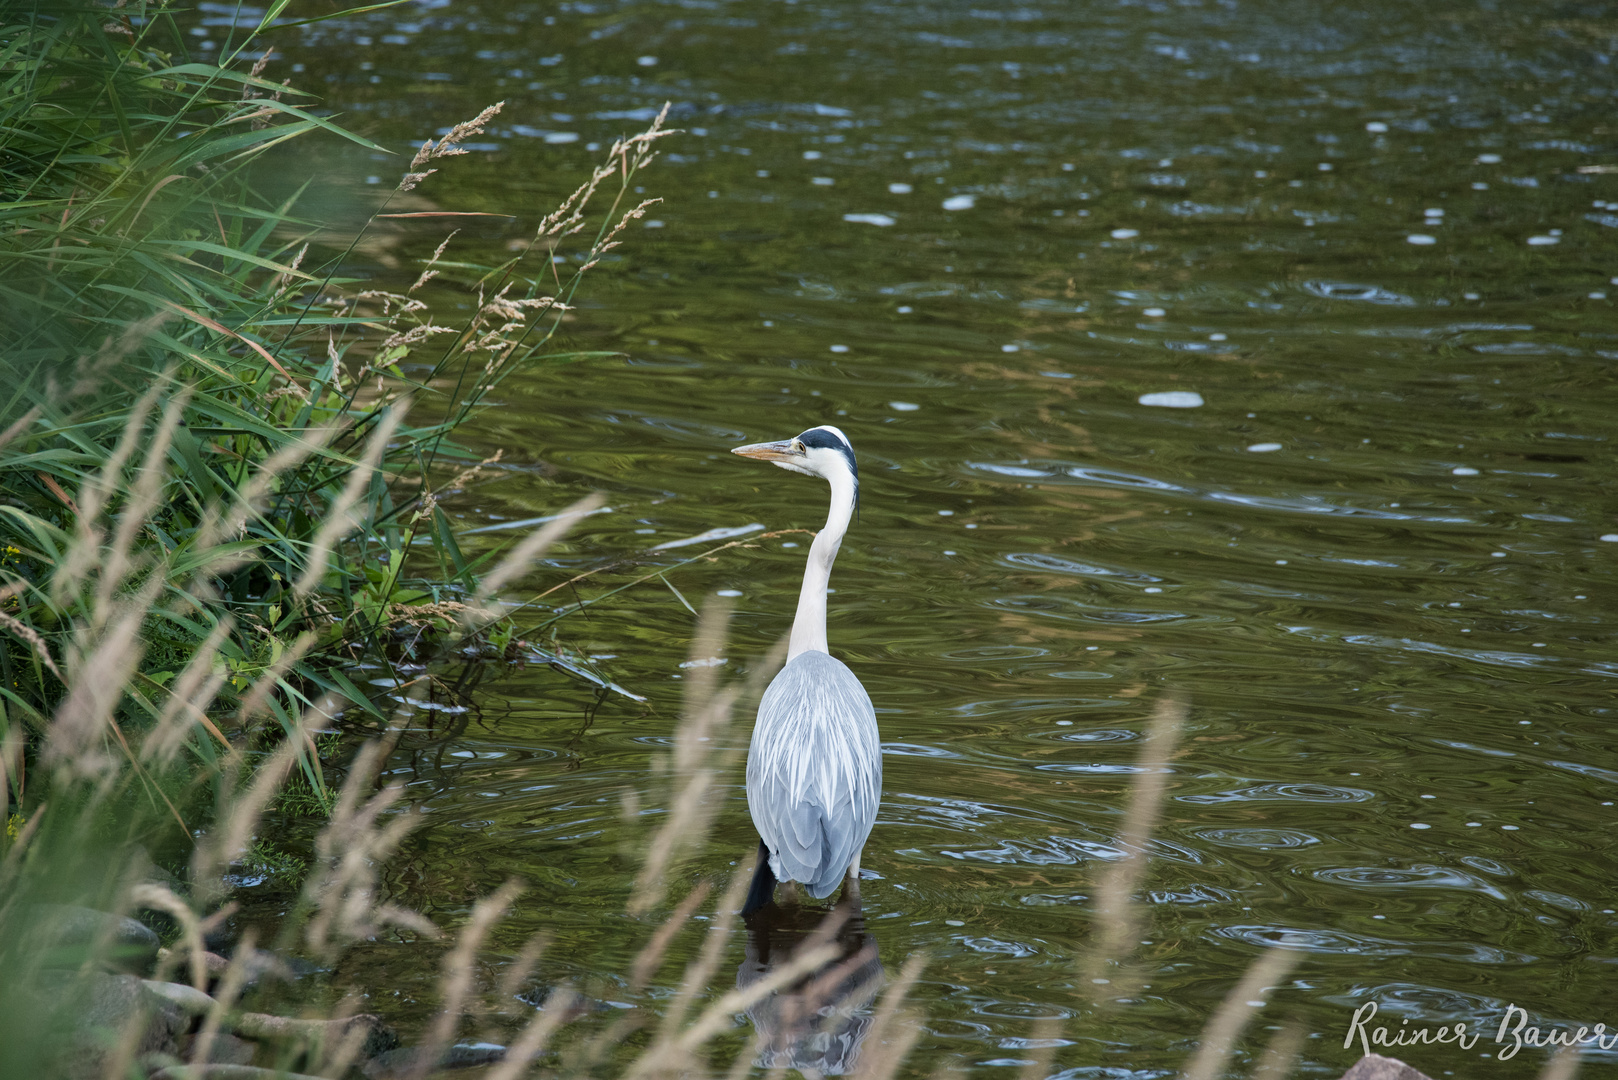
(1420,239)
(1543,241)
(870,219)
(1263,447)
(903,406)
(1154,313)
(900,189)
(1125,234)
(811,155)
(960,202)
(1173,399)
(646,61)
(822,181)
(839,348)
(1488,159)
(1464,470)
(1376,127)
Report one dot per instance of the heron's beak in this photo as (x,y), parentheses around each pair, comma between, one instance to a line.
(769,451)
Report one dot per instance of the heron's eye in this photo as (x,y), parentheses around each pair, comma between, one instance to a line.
(797,447)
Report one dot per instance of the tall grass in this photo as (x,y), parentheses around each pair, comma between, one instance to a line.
(208,433)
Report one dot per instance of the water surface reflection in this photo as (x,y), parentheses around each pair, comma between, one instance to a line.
(818,1024)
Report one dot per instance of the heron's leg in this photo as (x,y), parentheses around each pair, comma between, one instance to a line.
(851,884)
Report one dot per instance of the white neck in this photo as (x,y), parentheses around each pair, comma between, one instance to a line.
(809,627)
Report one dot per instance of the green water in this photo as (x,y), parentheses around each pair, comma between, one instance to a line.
(1372,557)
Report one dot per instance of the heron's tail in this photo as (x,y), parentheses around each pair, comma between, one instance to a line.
(762,891)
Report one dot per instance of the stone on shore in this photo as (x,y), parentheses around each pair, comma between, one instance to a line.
(72,930)
(108,1006)
(402,1062)
(1377,1067)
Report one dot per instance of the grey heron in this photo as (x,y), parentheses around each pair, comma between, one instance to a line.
(814,769)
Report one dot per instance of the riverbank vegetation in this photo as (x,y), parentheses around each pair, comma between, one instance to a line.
(222,452)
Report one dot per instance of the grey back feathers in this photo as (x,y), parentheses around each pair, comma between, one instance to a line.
(814,772)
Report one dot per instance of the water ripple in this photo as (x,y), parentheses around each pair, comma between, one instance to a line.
(1341,942)
(1318,793)
(1257,838)
(1419,876)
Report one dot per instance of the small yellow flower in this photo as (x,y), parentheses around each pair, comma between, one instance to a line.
(13,826)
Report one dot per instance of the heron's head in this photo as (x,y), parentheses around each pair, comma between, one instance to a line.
(822,451)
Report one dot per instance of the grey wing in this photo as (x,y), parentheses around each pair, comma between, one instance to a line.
(814,771)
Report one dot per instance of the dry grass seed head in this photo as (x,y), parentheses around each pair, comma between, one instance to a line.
(226,842)
(1282,1054)
(705,715)
(455,981)
(1563,1064)
(1117,914)
(340,518)
(534,1037)
(517,561)
(221,524)
(99,669)
(84,553)
(650,958)
(446,147)
(253,703)
(428,273)
(1225,1026)
(121,560)
(882,1053)
(29,635)
(341,889)
(189,698)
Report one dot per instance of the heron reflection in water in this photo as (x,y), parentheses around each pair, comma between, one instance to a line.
(816,1025)
(814,769)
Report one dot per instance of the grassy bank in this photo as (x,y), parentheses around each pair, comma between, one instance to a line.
(210,460)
